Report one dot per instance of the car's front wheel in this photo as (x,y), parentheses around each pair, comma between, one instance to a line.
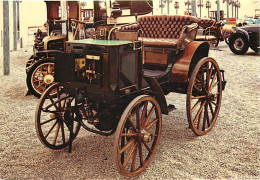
(238,44)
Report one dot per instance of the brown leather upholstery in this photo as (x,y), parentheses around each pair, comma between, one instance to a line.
(130,28)
(163,42)
(164,26)
(161,30)
(205,23)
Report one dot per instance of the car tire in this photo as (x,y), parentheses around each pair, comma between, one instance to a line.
(238,44)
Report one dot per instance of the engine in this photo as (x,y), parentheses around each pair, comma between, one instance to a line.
(88,69)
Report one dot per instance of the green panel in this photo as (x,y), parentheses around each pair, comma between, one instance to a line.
(100,42)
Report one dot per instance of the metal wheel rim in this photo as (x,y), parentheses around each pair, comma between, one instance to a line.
(204,99)
(130,147)
(37,81)
(239,44)
(53,132)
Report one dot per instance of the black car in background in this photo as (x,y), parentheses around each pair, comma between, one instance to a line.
(245,37)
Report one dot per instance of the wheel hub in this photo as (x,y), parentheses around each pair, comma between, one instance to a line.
(145,136)
(211,96)
(48,79)
(238,44)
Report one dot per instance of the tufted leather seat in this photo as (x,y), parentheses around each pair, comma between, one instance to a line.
(161,30)
(205,23)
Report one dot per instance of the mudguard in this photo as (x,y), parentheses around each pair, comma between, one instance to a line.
(183,66)
(241,31)
(158,93)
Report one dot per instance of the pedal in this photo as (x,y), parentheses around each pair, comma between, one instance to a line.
(171,107)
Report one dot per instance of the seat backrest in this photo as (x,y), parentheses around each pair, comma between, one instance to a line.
(204,23)
(164,26)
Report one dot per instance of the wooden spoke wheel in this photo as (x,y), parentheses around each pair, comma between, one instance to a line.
(40,76)
(137,135)
(204,96)
(55,118)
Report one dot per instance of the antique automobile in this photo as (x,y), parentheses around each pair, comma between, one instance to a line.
(81,23)
(243,38)
(119,86)
(50,40)
(213,32)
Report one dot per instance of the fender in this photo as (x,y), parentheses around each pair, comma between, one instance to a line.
(241,31)
(158,93)
(183,66)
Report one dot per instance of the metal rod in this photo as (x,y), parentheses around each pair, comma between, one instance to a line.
(1,38)
(218,11)
(18,19)
(168,7)
(14,26)
(6,48)
(193,8)
(227,11)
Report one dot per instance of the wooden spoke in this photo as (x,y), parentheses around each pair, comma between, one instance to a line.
(199,119)
(134,160)
(205,117)
(141,154)
(132,124)
(138,122)
(149,116)
(47,121)
(144,111)
(46,135)
(211,109)
(147,147)
(129,143)
(198,97)
(199,111)
(56,134)
(197,89)
(207,75)
(213,79)
(196,105)
(214,103)
(212,87)
(129,134)
(151,124)
(129,154)
(210,72)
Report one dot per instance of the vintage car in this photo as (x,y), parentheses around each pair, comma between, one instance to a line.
(96,24)
(119,86)
(212,31)
(243,38)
